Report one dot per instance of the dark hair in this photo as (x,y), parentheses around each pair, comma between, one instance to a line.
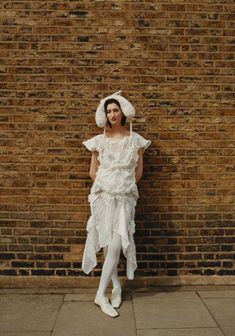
(115,101)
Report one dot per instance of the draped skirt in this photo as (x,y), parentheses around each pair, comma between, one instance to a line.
(110,213)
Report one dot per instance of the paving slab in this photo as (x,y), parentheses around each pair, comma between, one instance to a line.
(86,318)
(91,296)
(191,287)
(62,290)
(217,294)
(181,332)
(224,287)
(223,311)
(48,290)
(201,310)
(170,310)
(79,297)
(30,333)
(29,313)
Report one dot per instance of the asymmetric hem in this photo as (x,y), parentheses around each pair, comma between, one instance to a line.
(113,198)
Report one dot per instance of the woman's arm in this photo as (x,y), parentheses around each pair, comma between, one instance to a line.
(94,165)
(139,167)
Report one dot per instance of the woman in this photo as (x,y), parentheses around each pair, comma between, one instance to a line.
(116,167)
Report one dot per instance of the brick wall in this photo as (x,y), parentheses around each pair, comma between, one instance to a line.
(174,61)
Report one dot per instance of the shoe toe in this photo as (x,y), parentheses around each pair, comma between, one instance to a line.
(105,306)
(109,310)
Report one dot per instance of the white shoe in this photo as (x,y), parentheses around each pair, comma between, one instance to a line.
(116,297)
(105,306)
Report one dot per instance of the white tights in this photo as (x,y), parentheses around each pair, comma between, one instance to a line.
(109,270)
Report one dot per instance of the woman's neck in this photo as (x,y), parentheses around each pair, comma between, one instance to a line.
(118,131)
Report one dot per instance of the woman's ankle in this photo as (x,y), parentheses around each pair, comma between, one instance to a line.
(100,294)
(116,286)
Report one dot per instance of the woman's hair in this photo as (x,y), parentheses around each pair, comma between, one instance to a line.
(115,101)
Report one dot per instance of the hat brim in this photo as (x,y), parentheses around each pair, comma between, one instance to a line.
(126,107)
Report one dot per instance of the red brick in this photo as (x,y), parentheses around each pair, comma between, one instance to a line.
(175,62)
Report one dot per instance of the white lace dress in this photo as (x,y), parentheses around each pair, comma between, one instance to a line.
(113,197)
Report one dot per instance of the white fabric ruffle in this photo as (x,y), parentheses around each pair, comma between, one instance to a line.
(118,159)
(94,143)
(110,214)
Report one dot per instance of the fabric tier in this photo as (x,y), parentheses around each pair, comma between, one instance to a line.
(94,143)
(115,181)
(118,159)
(110,214)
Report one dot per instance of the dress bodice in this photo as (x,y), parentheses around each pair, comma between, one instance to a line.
(117,153)
(118,159)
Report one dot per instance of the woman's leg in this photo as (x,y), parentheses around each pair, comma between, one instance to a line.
(110,263)
(114,277)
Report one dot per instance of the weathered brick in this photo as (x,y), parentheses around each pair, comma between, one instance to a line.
(175,62)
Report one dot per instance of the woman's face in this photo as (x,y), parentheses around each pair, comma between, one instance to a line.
(114,114)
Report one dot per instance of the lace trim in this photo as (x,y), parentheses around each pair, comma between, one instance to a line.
(95,219)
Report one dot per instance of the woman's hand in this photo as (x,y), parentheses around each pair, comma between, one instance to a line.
(94,165)
(139,167)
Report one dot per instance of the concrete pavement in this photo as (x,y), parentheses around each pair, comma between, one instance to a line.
(155,311)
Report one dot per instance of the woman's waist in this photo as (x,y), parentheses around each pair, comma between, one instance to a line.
(116,169)
(116,176)
(115,186)
(95,193)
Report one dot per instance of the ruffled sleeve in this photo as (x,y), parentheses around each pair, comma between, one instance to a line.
(92,144)
(142,142)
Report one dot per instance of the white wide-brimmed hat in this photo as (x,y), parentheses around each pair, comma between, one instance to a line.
(126,107)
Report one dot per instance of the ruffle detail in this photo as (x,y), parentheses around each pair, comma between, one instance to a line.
(110,213)
(142,142)
(93,144)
